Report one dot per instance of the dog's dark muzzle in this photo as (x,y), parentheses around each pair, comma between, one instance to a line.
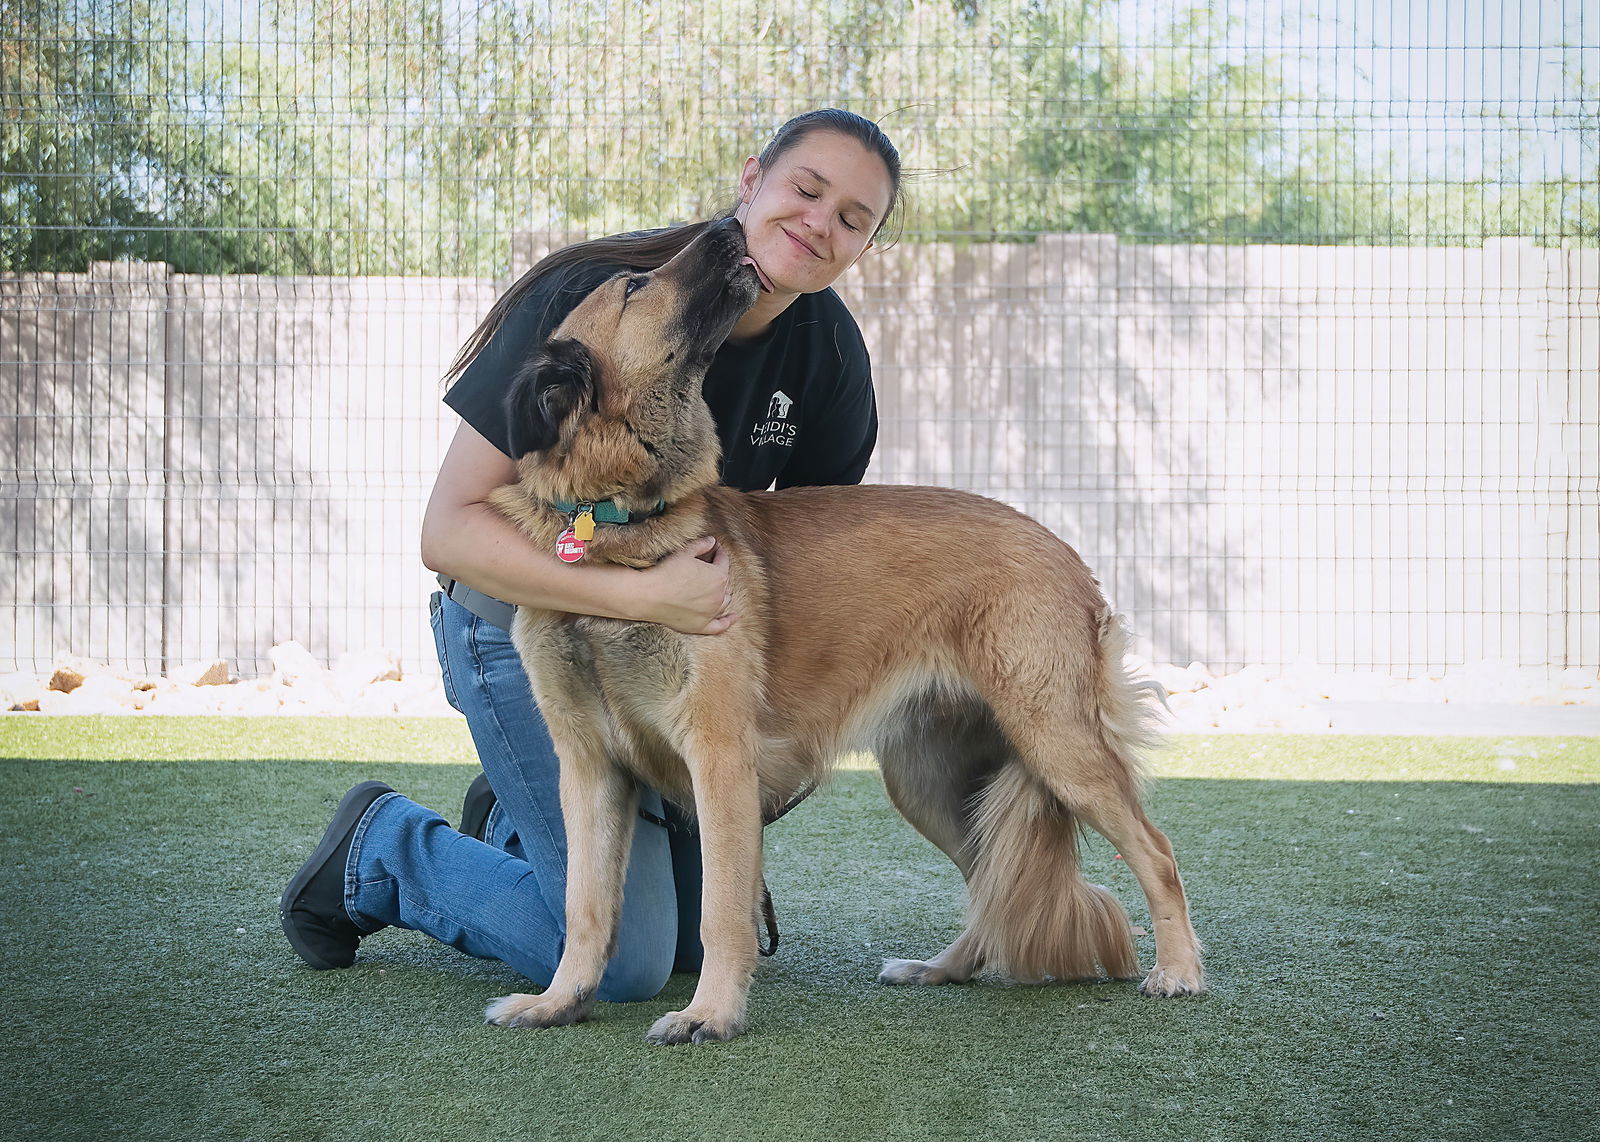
(718,282)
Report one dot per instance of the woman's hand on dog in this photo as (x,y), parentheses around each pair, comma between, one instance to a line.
(466,538)
(690,591)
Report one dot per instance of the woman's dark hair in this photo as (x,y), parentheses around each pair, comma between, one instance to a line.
(647,250)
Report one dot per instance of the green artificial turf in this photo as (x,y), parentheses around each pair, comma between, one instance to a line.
(1399,931)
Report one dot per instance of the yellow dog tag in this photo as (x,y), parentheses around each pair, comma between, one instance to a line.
(583,523)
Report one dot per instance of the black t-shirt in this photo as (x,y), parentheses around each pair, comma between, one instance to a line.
(793,407)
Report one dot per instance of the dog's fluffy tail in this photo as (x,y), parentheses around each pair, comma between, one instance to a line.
(1032,913)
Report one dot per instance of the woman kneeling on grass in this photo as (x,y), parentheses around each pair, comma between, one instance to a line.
(791,393)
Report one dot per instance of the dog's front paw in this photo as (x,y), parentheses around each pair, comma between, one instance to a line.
(535,1011)
(1165,983)
(906,972)
(689,1027)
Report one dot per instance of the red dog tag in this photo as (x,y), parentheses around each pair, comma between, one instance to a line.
(569,548)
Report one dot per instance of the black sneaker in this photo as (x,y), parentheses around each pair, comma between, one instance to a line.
(475,807)
(312,906)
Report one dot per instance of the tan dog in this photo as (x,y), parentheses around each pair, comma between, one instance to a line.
(961,641)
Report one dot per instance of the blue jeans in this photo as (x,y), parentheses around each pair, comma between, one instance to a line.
(504,898)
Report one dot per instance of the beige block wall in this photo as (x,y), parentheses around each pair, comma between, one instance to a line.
(1383,458)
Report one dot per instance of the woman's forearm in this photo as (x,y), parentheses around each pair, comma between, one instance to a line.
(468,540)
(473,543)
(480,547)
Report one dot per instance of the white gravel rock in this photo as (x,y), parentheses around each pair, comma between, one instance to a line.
(363,667)
(1494,682)
(1182,680)
(314,696)
(56,702)
(1575,678)
(354,673)
(1304,697)
(97,694)
(16,689)
(213,672)
(184,702)
(294,665)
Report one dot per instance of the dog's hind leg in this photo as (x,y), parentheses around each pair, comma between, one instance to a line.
(1033,914)
(1082,744)
(1107,797)
(935,756)
(1148,853)
(599,803)
(958,963)
(1093,771)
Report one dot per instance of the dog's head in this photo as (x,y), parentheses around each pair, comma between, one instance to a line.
(611,407)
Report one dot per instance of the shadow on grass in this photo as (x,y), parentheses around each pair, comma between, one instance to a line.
(1388,959)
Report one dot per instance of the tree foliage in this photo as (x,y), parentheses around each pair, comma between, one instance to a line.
(334,137)
(102,152)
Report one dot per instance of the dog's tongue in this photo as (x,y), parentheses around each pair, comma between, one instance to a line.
(766,285)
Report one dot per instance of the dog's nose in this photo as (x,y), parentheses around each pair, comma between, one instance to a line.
(728,234)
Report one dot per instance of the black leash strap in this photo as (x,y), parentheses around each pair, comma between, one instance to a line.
(670,826)
(804,791)
(771,917)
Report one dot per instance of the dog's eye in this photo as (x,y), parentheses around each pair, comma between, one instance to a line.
(633,285)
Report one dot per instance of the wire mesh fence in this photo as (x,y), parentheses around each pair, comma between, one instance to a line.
(1286,315)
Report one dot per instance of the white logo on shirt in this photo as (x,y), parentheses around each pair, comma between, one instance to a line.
(776,429)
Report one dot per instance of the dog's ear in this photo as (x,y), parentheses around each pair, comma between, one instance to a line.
(544,392)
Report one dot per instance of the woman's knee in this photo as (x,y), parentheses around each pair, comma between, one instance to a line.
(639,973)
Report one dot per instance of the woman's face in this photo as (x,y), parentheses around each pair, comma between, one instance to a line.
(813,212)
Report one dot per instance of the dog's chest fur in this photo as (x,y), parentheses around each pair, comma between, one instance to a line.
(639,667)
(616,684)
